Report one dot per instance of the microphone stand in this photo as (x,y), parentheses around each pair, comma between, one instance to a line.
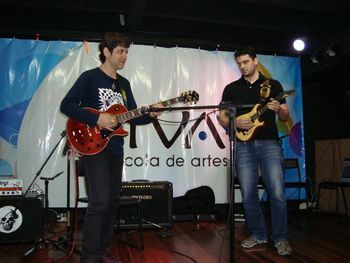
(231,109)
(164,232)
(46,207)
(232,138)
(63,134)
(47,240)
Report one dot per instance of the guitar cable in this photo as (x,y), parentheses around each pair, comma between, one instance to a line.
(75,226)
(185,122)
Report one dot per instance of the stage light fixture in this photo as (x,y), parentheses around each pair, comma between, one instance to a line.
(332,50)
(316,58)
(122,19)
(299,44)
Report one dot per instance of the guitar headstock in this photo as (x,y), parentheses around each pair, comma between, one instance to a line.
(189,96)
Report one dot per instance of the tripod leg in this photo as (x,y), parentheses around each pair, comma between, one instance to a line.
(31,250)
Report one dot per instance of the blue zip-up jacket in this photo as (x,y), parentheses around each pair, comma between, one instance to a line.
(95,89)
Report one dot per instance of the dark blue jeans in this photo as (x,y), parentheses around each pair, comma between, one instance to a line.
(103,173)
(267,155)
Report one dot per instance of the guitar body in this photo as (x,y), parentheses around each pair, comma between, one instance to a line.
(245,135)
(87,140)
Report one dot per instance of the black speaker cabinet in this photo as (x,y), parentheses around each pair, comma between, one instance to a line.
(21,219)
(156,204)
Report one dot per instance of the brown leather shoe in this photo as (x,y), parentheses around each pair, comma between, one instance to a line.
(108,259)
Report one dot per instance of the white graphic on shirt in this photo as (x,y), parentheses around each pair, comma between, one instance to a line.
(108,97)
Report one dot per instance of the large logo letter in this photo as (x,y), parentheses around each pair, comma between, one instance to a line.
(188,140)
(160,132)
(166,142)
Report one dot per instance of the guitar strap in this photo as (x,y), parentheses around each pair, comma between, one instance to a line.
(265,90)
(122,91)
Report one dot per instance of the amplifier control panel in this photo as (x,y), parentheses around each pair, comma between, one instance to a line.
(11,187)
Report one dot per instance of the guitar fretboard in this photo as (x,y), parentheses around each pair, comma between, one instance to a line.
(169,102)
(126,116)
(123,117)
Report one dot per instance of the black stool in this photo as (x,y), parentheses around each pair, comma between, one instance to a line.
(129,201)
(332,185)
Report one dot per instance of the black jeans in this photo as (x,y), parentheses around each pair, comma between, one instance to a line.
(103,173)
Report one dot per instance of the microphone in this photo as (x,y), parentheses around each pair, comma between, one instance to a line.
(231,112)
(144,109)
(154,109)
(224,104)
(229,107)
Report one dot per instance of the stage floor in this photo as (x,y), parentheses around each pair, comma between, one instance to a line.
(314,237)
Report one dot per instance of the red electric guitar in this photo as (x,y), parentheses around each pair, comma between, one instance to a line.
(87,140)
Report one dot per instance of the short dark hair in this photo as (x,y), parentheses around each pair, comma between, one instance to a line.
(111,40)
(248,50)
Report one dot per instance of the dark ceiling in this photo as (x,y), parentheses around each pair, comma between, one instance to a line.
(269,25)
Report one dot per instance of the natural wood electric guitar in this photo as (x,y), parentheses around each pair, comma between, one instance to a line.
(255,113)
(87,140)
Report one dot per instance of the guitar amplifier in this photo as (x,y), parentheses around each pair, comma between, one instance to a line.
(156,204)
(21,219)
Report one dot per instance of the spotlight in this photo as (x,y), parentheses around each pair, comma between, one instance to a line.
(299,44)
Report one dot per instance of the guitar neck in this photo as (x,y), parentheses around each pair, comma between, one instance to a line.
(132,114)
(264,108)
(259,112)
(168,102)
(129,115)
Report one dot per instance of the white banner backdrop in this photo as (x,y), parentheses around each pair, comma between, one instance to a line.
(188,160)
(187,147)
